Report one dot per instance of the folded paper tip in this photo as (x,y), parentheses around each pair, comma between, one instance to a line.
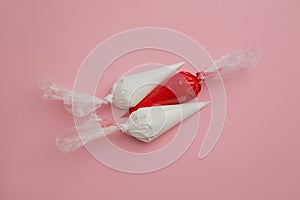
(203,104)
(176,66)
(195,105)
(200,105)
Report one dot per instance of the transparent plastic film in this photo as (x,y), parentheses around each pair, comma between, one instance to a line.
(231,63)
(184,86)
(126,91)
(76,103)
(92,129)
(145,124)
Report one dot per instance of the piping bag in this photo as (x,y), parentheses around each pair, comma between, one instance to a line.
(145,124)
(126,92)
(185,86)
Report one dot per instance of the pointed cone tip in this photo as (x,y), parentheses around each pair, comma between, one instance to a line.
(176,66)
(203,104)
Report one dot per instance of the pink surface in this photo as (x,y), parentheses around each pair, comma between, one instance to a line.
(257,156)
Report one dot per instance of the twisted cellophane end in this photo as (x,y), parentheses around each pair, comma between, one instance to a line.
(92,129)
(230,63)
(78,104)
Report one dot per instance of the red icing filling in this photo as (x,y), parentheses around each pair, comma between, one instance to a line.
(180,88)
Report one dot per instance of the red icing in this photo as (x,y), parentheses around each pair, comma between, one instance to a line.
(179,88)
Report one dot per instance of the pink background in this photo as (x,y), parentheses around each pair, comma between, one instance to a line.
(257,156)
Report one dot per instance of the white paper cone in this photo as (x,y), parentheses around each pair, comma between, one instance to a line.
(145,124)
(130,90)
(159,119)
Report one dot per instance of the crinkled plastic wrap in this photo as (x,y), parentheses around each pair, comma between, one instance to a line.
(126,92)
(184,86)
(156,100)
(77,103)
(145,124)
(162,86)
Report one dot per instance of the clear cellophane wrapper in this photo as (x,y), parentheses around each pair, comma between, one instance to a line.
(145,124)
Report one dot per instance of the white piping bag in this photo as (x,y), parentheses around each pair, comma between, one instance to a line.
(126,92)
(145,124)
